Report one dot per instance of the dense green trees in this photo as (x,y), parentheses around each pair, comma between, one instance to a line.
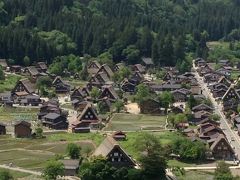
(53,169)
(100,169)
(2,75)
(73,151)
(127,30)
(223,172)
(69,63)
(152,157)
(188,150)
(5,175)
(142,94)
(166,99)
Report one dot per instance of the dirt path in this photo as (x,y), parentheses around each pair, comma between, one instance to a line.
(133,108)
(28,150)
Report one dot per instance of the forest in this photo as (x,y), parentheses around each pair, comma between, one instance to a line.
(123,30)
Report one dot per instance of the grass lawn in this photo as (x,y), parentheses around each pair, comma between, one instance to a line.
(95,137)
(196,175)
(235,74)
(180,163)
(14,114)
(164,137)
(135,122)
(34,153)
(17,174)
(67,106)
(9,83)
(75,82)
(34,160)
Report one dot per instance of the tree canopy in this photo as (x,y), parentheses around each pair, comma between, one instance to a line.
(123,30)
(53,169)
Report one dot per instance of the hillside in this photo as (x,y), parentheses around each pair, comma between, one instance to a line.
(121,29)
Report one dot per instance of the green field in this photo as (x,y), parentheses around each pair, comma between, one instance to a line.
(14,114)
(220,50)
(196,175)
(34,153)
(9,83)
(235,75)
(21,175)
(133,122)
(75,82)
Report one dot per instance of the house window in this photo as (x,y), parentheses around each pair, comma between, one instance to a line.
(115,154)
(219,147)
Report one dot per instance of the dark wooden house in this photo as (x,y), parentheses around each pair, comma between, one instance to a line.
(180,95)
(2,129)
(22,129)
(137,77)
(230,99)
(49,107)
(108,92)
(106,70)
(200,115)
(147,62)
(221,149)
(89,115)
(77,94)
(113,152)
(6,99)
(127,86)
(202,107)
(55,121)
(32,100)
(151,106)
(138,68)
(60,86)
(93,67)
(98,80)
(32,72)
(225,81)
(23,87)
(119,136)
(118,66)
(15,69)
(208,131)
(42,67)
(71,166)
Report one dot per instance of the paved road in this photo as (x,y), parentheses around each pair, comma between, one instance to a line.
(231,135)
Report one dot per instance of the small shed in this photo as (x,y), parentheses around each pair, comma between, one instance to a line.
(22,129)
(119,136)
(147,62)
(71,167)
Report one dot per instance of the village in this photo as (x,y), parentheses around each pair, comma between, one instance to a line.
(42,112)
